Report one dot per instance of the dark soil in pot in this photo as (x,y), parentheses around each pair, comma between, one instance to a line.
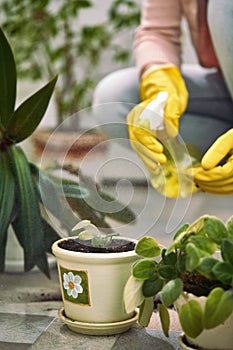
(198,284)
(116,246)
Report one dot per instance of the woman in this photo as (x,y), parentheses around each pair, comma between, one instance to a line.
(202,95)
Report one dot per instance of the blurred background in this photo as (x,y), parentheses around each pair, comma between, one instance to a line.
(82,41)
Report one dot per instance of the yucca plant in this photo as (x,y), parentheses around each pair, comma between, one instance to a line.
(23,184)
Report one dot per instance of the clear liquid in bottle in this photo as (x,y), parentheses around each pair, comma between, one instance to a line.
(172,179)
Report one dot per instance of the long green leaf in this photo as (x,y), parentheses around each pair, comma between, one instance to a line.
(30,113)
(164,318)
(48,191)
(124,214)
(50,236)
(27,225)
(7,195)
(145,312)
(84,211)
(7,81)
(7,192)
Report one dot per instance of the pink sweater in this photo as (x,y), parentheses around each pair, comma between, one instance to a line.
(158,38)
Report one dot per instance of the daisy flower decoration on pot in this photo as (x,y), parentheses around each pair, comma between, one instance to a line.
(72,284)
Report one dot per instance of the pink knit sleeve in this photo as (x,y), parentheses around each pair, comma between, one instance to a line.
(157,39)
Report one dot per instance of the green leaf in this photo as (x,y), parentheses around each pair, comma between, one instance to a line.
(148,247)
(74,191)
(167,272)
(85,235)
(29,114)
(227,251)
(84,211)
(164,318)
(82,224)
(169,259)
(7,192)
(50,236)
(133,296)
(171,291)
(7,81)
(177,243)
(229,226)
(120,212)
(152,286)
(203,244)
(49,194)
(197,225)
(192,257)
(218,307)
(145,312)
(27,225)
(215,229)
(7,195)
(181,230)
(180,265)
(191,318)
(223,272)
(206,266)
(144,269)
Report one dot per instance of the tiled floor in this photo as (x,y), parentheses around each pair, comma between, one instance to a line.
(22,329)
(31,322)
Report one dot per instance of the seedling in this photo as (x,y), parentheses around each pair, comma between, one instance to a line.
(87,231)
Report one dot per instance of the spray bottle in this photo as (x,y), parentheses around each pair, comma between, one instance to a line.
(171,179)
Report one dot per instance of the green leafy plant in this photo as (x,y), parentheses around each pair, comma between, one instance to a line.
(49,37)
(29,193)
(88,231)
(199,261)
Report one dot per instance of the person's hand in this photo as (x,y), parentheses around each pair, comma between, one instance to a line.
(144,143)
(214,178)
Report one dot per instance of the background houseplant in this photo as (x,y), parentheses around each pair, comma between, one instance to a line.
(189,265)
(93,270)
(24,186)
(50,37)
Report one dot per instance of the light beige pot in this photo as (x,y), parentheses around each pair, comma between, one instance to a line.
(99,280)
(218,338)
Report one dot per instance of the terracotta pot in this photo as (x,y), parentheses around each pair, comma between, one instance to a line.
(72,144)
(99,278)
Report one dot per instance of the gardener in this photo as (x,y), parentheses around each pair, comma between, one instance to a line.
(201,94)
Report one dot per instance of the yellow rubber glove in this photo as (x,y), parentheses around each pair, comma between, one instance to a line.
(214,178)
(144,143)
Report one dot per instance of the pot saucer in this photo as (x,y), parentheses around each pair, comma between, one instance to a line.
(98,328)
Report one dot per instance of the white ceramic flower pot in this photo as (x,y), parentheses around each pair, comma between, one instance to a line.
(218,338)
(92,284)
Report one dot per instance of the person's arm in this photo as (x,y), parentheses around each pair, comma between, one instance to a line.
(158,38)
(157,49)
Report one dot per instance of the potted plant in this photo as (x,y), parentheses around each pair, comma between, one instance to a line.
(28,193)
(50,37)
(196,275)
(93,270)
